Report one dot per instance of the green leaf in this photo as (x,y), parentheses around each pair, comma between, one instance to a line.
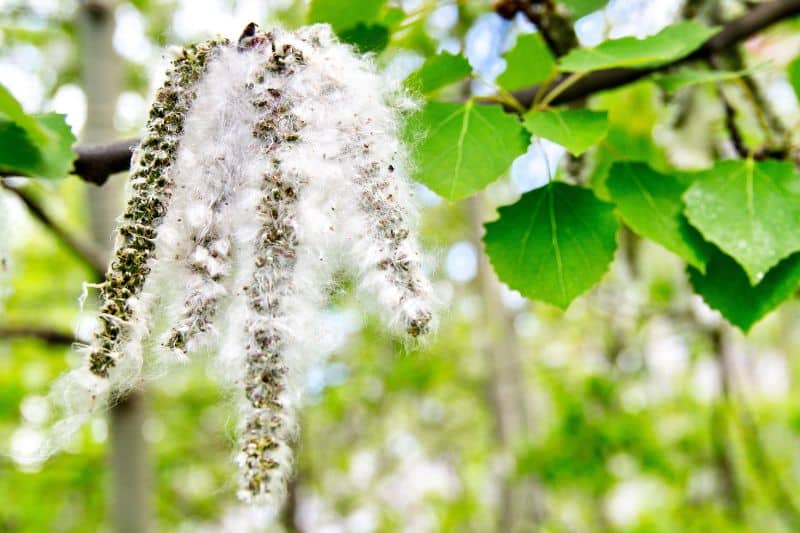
(366,37)
(344,15)
(57,156)
(438,71)
(392,16)
(671,43)
(11,109)
(577,130)
(554,244)
(794,75)
(672,81)
(33,145)
(528,63)
(415,37)
(580,8)
(630,135)
(20,155)
(650,203)
(726,288)
(747,210)
(465,146)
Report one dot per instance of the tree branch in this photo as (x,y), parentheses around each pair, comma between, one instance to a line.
(49,335)
(733,32)
(733,129)
(96,162)
(82,249)
(555,27)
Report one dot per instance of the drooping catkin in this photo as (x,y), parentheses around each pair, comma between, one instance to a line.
(114,357)
(268,415)
(152,186)
(268,165)
(363,160)
(202,221)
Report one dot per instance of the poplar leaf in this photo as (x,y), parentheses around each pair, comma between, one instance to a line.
(464,147)
(439,71)
(726,288)
(577,130)
(748,210)
(20,154)
(650,204)
(344,15)
(670,44)
(528,63)
(554,244)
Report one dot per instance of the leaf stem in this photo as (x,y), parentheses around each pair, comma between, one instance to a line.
(568,82)
(547,83)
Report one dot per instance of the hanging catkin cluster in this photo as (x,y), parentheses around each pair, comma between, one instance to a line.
(268,165)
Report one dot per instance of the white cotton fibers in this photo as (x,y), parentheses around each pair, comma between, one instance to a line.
(268,165)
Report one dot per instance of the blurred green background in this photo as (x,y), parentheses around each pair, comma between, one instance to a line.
(636,410)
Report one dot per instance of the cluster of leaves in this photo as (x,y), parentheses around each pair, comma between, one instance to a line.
(733,224)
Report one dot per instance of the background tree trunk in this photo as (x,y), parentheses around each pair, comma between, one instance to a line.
(129,494)
(520,502)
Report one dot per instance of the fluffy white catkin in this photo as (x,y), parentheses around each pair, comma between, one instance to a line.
(115,356)
(286,169)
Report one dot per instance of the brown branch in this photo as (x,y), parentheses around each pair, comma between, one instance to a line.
(80,248)
(730,116)
(555,28)
(733,129)
(96,162)
(732,33)
(48,335)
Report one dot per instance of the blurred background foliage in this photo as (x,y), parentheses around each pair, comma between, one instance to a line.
(636,410)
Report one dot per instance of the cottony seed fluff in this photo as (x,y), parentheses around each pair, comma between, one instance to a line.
(267,165)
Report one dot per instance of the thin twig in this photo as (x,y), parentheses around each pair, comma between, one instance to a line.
(82,249)
(733,129)
(562,86)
